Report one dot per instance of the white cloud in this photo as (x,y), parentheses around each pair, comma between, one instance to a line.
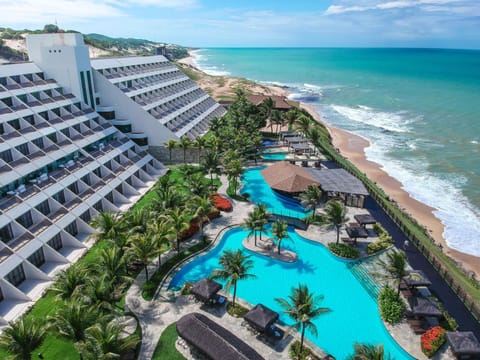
(339,9)
(165,3)
(396,4)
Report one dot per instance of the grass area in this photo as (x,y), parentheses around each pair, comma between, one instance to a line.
(165,349)
(152,284)
(189,72)
(237,310)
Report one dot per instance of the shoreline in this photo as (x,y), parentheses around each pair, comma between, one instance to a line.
(352,147)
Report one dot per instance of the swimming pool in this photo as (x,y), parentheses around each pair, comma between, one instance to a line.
(274,156)
(354,314)
(261,193)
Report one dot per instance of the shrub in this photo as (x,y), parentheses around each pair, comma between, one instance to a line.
(432,340)
(378,245)
(221,203)
(344,251)
(186,288)
(307,353)
(391,305)
(192,230)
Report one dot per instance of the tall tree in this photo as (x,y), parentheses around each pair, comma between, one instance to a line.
(268,105)
(185,143)
(335,215)
(73,319)
(311,197)
(280,232)
(277,119)
(290,116)
(201,206)
(142,247)
(178,223)
(396,266)
(136,221)
(211,163)
(251,224)
(171,145)
(369,352)
(113,263)
(167,198)
(22,337)
(70,282)
(302,307)
(110,226)
(234,169)
(200,143)
(235,266)
(302,124)
(160,232)
(262,217)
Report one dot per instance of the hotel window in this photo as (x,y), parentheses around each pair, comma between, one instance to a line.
(73,187)
(86,179)
(6,233)
(98,172)
(53,137)
(86,216)
(16,276)
(84,89)
(60,197)
(43,207)
(15,123)
(119,188)
(25,220)
(56,242)
(72,229)
(1,295)
(98,206)
(6,156)
(37,258)
(23,149)
(38,142)
(109,197)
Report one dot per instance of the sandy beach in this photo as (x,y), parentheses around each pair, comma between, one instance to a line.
(352,147)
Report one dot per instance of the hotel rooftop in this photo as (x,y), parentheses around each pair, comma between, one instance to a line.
(76,138)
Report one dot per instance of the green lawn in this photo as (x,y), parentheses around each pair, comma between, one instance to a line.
(165,349)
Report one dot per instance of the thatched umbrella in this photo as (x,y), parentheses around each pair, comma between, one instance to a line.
(416,278)
(365,219)
(261,317)
(205,289)
(213,340)
(463,343)
(286,177)
(355,232)
(422,306)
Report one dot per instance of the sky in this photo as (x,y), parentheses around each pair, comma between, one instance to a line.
(261,23)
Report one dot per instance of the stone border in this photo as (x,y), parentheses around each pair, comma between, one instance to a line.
(268,249)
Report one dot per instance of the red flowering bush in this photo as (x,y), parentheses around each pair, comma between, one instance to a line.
(221,203)
(186,234)
(432,340)
(213,214)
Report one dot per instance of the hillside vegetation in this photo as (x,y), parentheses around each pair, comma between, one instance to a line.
(13,47)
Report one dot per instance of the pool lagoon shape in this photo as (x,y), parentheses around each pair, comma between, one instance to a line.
(354,315)
(274,156)
(261,193)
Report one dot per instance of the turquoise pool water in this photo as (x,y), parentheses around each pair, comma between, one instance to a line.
(354,314)
(274,156)
(261,193)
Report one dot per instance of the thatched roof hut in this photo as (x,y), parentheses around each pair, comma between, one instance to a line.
(261,317)
(463,343)
(213,340)
(285,177)
(416,278)
(205,289)
(422,306)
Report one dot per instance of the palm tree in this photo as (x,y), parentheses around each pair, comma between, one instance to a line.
(103,293)
(159,231)
(310,197)
(211,163)
(279,231)
(262,218)
(142,248)
(396,266)
(234,169)
(171,144)
(178,223)
(110,226)
(290,116)
(369,352)
(167,198)
(302,124)
(113,263)
(268,105)
(302,308)
(185,144)
(104,341)
(276,118)
(251,224)
(235,266)
(22,337)
(200,143)
(70,282)
(202,207)
(335,215)
(196,184)
(136,221)
(73,319)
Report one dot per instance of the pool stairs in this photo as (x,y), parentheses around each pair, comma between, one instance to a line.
(363,270)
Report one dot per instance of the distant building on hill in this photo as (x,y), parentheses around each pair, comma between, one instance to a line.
(281,102)
(76,138)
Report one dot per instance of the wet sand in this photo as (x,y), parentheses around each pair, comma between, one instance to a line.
(353,147)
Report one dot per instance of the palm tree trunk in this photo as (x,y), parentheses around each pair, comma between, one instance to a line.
(159,260)
(398,288)
(184,156)
(301,339)
(234,293)
(278,247)
(255,232)
(338,234)
(146,270)
(178,245)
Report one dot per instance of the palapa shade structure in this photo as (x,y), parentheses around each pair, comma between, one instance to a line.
(355,232)
(416,278)
(205,289)
(261,317)
(422,306)
(365,219)
(463,343)
(213,340)
(288,178)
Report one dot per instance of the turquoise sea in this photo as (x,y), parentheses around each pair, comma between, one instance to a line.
(418,108)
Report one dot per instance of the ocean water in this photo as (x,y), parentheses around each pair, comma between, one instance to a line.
(418,108)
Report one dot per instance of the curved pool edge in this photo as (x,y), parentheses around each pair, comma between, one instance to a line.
(163,288)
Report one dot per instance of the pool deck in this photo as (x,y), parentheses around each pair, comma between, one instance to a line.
(154,316)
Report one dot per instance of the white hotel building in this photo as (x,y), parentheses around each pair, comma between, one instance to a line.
(76,137)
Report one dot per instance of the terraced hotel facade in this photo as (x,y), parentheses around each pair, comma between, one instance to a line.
(76,138)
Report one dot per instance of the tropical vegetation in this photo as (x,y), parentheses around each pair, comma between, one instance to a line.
(432,340)
(391,305)
(369,352)
(344,251)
